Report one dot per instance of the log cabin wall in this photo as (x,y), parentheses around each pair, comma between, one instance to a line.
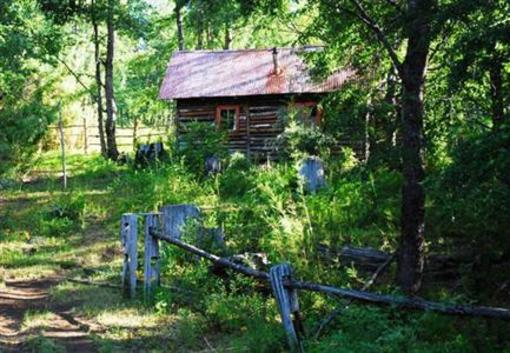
(255,139)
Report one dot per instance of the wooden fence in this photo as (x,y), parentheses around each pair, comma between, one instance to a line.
(84,137)
(167,226)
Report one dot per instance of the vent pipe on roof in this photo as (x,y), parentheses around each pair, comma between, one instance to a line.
(276,67)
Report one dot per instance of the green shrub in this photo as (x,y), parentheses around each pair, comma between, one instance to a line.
(200,141)
(298,141)
(65,215)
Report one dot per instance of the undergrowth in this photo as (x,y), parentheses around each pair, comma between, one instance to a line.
(260,209)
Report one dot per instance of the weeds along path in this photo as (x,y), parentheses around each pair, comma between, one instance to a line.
(56,329)
(48,235)
(38,313)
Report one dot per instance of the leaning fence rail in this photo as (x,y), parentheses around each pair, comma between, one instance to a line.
(166,226)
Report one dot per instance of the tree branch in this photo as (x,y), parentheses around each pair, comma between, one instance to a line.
(365,287)
(362,15)
(75,75)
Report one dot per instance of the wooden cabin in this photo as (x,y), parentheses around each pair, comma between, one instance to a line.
(246,92)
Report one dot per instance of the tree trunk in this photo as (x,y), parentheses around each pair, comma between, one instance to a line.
(180,35)
(200,39)
(369,142)
(99,83)
(391,99)
(496,82)
(200,31)
(228,37)
(411,250)
(111,145)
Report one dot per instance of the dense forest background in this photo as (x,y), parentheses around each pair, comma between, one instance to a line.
(429,177)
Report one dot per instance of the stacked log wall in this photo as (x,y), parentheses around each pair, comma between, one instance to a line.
(262,112)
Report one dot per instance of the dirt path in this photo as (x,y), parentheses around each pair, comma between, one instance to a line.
(18,298)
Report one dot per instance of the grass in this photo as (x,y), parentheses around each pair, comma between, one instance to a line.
(35,245)
(46,232)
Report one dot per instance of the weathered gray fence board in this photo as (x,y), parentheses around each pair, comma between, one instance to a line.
(288,304)
(128,238)
(280,276)
(175,217)
(151,258)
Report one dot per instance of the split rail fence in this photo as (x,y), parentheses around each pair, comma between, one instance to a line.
(85,137)
(167,226)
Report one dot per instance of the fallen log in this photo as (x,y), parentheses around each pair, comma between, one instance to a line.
(366,259)
(413,303)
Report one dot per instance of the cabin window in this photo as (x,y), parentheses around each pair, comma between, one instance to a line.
(227,117)
(308,113)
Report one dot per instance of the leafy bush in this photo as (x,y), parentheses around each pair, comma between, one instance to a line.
(298,141)
(199,142)
(373,330)
(468,200)
(65,215)
(236,180)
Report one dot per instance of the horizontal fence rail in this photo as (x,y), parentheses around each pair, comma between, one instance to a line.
(86,137)
(167,226)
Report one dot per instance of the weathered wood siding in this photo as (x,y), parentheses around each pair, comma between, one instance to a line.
(255,138)
(262,112)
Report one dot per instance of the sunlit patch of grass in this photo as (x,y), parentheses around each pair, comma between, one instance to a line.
(29,272)
(127,328)
(128,318)
(121,323)
(37,320)
(33,258)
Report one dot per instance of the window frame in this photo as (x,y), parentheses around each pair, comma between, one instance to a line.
(235,107)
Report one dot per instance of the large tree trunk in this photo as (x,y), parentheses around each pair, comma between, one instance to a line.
(178,18)
(496,82)
(111,145)
(411,251)
(99,83)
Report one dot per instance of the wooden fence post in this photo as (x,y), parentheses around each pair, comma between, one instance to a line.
(85,137)
(288,305)
(175,216)
(128,238)
(151,260)
(62,145)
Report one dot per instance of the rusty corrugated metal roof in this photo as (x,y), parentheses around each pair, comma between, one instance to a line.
(228,73)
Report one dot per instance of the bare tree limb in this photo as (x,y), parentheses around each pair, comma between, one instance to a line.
(366,286)
(74,74)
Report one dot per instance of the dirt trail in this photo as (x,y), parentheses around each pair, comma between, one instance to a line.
(19,297)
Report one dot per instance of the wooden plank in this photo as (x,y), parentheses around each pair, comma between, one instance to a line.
(175,217)
(151,276)
(288,305)
(128,238)
(413,303)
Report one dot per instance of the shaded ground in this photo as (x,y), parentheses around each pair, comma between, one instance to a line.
(63,332)
(40,310)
